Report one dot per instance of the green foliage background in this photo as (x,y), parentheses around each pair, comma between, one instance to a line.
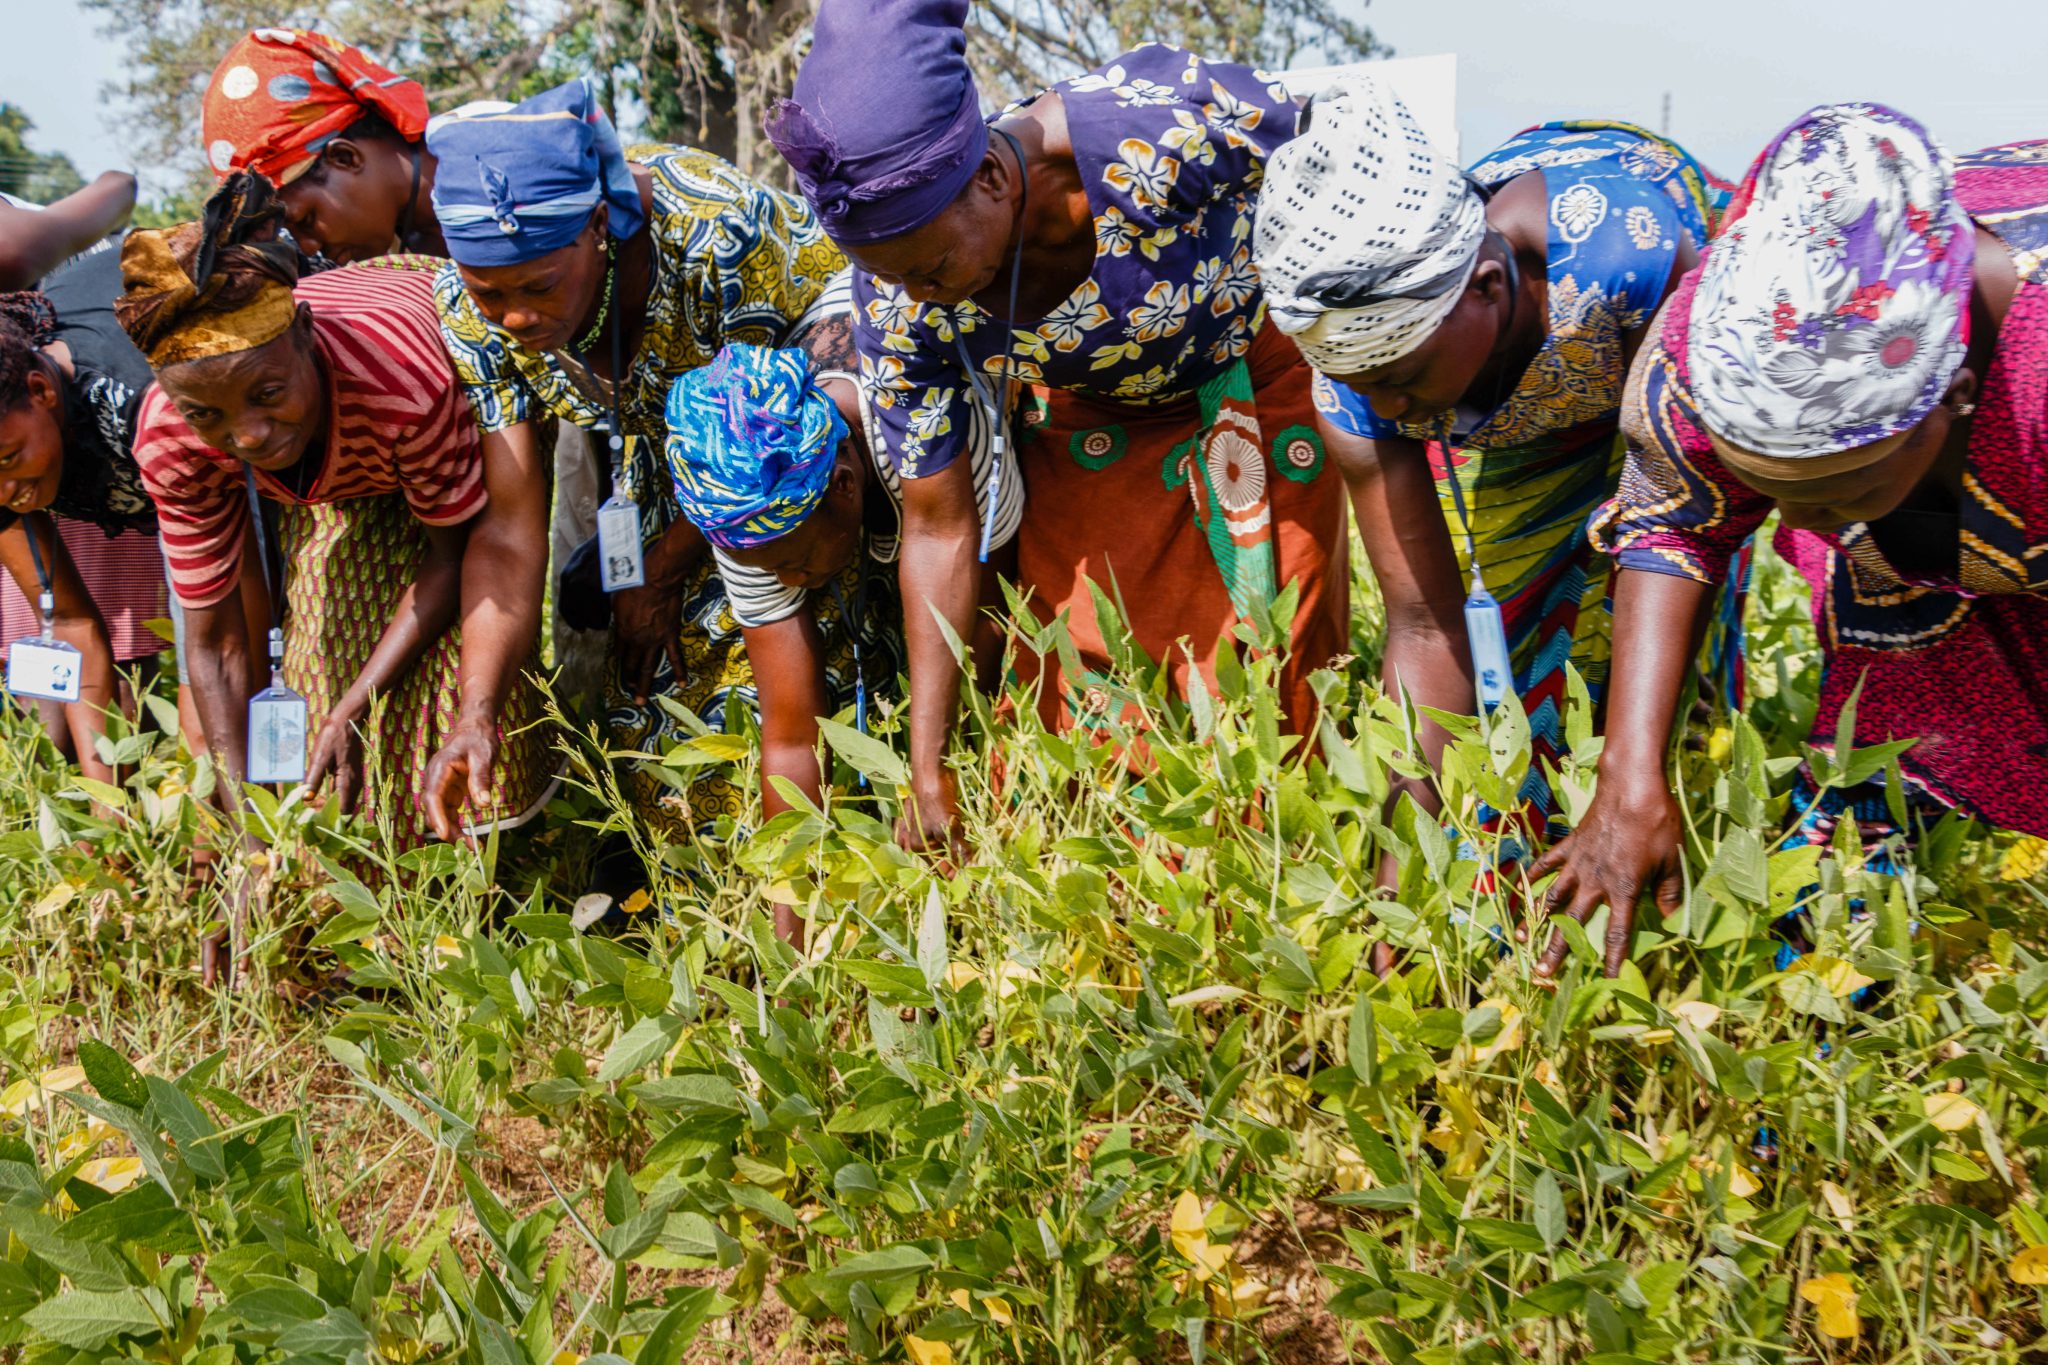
(1119,1088)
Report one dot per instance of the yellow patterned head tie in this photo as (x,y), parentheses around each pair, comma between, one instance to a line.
(214,287)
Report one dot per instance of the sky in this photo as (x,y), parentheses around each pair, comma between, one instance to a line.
(1736,70)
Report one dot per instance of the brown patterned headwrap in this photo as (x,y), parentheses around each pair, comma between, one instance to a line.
(214,287)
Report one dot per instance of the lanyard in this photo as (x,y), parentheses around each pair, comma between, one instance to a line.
(269,581)
(43,666)
(999,411)
(1485,629)
(46,602)
(622,555)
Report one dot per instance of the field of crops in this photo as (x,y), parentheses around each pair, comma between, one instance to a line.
(1119,1088)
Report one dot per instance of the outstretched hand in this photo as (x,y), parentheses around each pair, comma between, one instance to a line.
(338,754)
(931,819)
(1628,844)
(462,767)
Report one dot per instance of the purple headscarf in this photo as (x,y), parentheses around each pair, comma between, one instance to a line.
(885,128)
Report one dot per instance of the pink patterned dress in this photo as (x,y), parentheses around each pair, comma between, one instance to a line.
(1943,620)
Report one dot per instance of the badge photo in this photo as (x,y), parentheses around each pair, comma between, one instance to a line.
(42,667)
(277,736)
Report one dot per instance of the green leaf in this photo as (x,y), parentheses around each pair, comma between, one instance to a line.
(145,1216)
(337,1333)
(931,938)
(88,1319)
(197,1138)
(1546,1206)
(690,1092)
(868,755)
(679,1327)
(1361,1044)
(87,1264)
(1806,993)
(113,1076)
(647,1041)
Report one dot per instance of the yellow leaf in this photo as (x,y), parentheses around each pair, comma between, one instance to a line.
(1350,1170)
(24,1095)
(1741,1183)
(2024,859)
(1838,976)
(112,1173)
(62,1078)
(2030,1266)
(1838,1203)
(1007,977)
(998,1309)
(1508,1039)
(1650,1037)
(924,1352)
(1950,1113)
(447,947)
(1188,1235)
(959,976)
(785,893)
(1211,1259)
(84,1140)
(1698,1013)
(567,1358)
(637,902)
(55,899)
(1834,1298)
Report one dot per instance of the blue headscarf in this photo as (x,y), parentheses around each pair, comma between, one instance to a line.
(752,440)
(515,185)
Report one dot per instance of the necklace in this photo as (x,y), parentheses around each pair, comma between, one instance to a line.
(604,305)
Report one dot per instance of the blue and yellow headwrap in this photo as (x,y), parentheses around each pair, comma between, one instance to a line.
(752,439)
(516,185)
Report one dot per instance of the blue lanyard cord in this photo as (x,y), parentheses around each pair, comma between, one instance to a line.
(47,602)
(999,408)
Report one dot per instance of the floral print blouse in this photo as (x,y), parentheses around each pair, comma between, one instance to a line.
(1621,201)
(734,261)
(1172,150)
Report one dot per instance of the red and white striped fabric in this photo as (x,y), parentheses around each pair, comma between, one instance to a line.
(124,575)
(399,422)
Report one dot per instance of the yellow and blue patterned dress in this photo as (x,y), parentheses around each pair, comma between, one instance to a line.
(1536,467)
(734,261)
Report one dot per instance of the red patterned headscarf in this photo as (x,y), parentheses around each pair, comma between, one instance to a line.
(281,93)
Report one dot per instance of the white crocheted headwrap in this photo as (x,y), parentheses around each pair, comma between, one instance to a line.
(1366,235)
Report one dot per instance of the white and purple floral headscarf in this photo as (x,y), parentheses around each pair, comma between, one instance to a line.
(1833,309)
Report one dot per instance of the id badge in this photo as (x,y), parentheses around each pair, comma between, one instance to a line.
(42,667)
(618,544)
(277,736)
(1489,639)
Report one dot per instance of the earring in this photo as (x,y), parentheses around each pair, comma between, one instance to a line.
(1965,409)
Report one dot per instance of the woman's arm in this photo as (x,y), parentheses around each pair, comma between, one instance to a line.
(34,242)
(1630,839)
(424,612)
(227,665)
(1427,660)
(789,669)
(504,575)
(78,623)
(940,575)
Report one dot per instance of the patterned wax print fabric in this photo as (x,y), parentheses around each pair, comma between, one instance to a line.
(1172,150)
(1942,618)
(1536,467)
(1146,501)
(759,598)
(735,261)
(282,94)
(397,423)
(346,564)
(1167,453)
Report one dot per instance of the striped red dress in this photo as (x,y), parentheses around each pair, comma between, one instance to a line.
(398,423)
(402,450)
